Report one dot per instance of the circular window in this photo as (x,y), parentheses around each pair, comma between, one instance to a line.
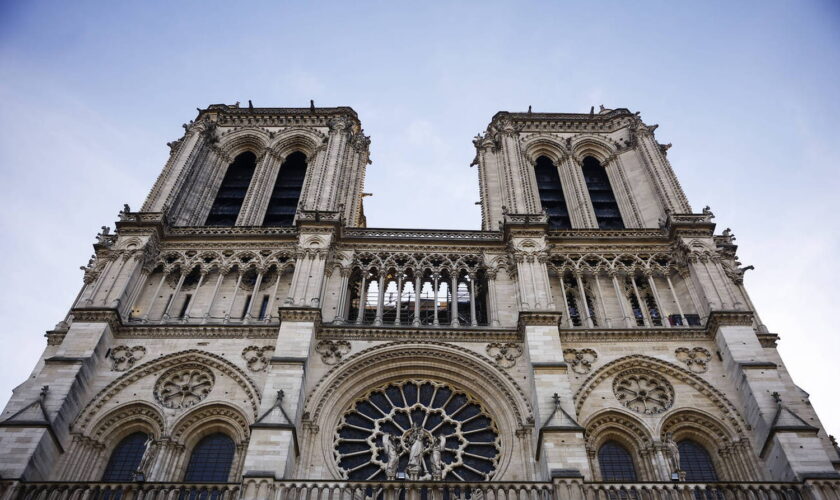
(184,386)
(643,392)
(417,429)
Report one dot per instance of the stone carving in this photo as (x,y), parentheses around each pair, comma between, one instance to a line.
(643,391)
(504,354)
(332,351)
(256,358)
(150,448)
(696,358)
(672,452)
(580,360)
(184,386)
(432,430)
(124,357)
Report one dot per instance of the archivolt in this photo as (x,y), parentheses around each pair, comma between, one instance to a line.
(641,361)
(209,418)
(250,139)
(162,363)
(117,419)
(437,354)
(614,423)
(305,140)
(542,145)
(598,147)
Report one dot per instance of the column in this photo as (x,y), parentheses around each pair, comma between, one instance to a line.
(685,274)
(195,295)
(619,296)
(400,276)
(417,285)
(585,304)
(360,317)
(271,308)
(174,295)
(342,296)
(239,274)
(676,300)
(642,305)
(250,313)
(473,319)
(380,301)
(213,297)
(493,306)
(453,292)
(154,297)
(600,298)
(569,323)
(436,276)
(663,315)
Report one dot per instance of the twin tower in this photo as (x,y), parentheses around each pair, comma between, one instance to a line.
(245,333)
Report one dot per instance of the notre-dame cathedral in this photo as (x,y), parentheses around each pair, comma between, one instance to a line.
(246,335)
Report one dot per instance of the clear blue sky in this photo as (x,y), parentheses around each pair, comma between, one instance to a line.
(746,91)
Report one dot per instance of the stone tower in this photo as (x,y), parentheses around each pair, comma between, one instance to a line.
(245,329)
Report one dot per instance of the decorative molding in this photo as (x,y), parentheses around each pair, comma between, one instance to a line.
(539,318)
(695,358)
(184,386)
(332,351)
(504,354)
(255,357)
(580,360)
(407,332)
(643,391)
(303,314)
(123,357)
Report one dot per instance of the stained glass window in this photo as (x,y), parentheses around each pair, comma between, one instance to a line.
(211,460)
(616,463)
(126,458)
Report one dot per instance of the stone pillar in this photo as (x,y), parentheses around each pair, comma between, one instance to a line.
(274,448)
(453,293)
(789,446)
(560,441)
(34,426)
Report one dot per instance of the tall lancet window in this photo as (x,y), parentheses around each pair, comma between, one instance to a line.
(232,192)
(286,193)
(601,194)
(551,194)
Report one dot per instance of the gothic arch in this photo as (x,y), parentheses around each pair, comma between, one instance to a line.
(618,425)
(209,418)
(727,409)
(161,364)
(504,400)
(598,147)
(250,139)
(542,145)
(305,140)
(126,419)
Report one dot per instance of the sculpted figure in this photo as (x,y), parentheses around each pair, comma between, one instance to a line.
(673,452)
(389,442)
(437,462)
(149,451)
(415,453)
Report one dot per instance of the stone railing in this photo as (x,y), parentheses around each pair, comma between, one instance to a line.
(256,488)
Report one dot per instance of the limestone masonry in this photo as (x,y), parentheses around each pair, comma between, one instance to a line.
(246,335)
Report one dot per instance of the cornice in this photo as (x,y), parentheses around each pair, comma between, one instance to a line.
(444,235)
(541,318)
(633,334)
(606,121)
(306,314)
(226,115)
(123,330)
(414,333)
(617,235)
(718,319)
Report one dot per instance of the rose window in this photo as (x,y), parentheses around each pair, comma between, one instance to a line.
(643,392)
(417,429)
(184,386)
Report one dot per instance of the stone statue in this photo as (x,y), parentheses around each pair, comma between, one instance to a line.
(391,446)
(149,451)
(673,452)
(415,453)
(437,462)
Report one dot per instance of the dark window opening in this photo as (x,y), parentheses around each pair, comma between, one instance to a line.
(696,462)
(601,194)
(185,306)
(264,306)
(692,319)
(210,460)
(126,458)
(616,463)
(571,303)
(247,306)
(284,197)
(551,194)
(232,192)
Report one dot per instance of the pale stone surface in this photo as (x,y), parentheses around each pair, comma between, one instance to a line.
(557,312)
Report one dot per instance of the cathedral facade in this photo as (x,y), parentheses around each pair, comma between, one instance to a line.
(245,334)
